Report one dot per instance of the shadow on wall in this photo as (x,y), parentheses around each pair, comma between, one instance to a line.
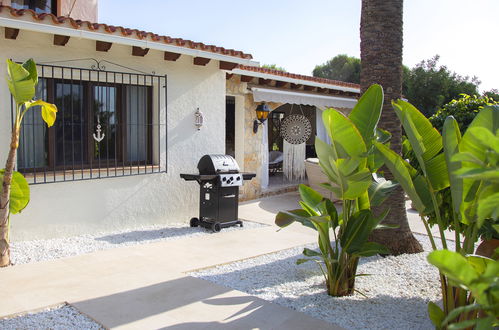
(134,197)
(178,134)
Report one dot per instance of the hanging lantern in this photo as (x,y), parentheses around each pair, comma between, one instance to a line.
(262,112)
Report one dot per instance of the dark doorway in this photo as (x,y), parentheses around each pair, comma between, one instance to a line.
(230,125)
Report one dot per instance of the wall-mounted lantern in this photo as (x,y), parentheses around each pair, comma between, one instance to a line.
(198,119)
(262,112)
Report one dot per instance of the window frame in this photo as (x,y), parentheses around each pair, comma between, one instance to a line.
(152,135)
(49,9)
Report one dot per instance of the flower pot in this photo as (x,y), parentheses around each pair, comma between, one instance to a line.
(487,247)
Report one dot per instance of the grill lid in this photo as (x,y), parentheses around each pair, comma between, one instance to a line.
(216,164)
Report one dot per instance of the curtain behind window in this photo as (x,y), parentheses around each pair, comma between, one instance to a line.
(39,6)
(136,118)
(32,150)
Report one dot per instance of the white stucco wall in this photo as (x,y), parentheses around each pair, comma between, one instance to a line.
(68,208)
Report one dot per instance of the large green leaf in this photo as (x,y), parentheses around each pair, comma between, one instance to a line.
(30,66)
(311,253)
(322,226)
(432,162)
(350,184)
(431,139)
(380,189)
(479,263)
(485,137)
(488,208)
(436,314)
(488,119)
(451,136)
(371,248)
(366,113)
(19,192)
(309,196)
(357,184)
(472,146)
(48,111)
(326,207)
(20,82)
(285,218)
(347,166)
(437,173)
(310,211)
(454,266)
(424,193)
(486,174)
(357,230)
(346,140)
(399,168)
(325,152)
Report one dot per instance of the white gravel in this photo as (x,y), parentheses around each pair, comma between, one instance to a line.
(398,289)
(62,317)
(39,250)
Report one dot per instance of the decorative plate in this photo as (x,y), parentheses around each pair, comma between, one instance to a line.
(296,129)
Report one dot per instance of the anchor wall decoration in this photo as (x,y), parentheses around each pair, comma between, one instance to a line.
(98,137)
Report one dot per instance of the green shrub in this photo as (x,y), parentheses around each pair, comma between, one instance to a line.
(463,110)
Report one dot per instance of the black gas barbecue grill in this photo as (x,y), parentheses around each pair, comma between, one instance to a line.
(219,181)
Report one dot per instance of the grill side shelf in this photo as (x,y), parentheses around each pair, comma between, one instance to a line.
(198,177)
(248,176)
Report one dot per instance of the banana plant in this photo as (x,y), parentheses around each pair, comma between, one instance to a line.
(338,260)
(477,275)
(349,163)
(461,163)
(22,80)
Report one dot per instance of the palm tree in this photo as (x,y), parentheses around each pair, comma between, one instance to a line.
(381,62)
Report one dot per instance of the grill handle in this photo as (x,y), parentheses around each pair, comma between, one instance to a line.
(229,196)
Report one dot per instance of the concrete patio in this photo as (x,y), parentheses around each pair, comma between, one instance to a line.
(146,287)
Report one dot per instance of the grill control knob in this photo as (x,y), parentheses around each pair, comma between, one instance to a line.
(224,178)
(238,178)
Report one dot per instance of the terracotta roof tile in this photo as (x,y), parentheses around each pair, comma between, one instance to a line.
(298,76)
(77,24)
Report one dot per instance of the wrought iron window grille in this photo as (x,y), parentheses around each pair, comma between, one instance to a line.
(109,124)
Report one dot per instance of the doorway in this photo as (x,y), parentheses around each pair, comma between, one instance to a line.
(277,156)
(230,126)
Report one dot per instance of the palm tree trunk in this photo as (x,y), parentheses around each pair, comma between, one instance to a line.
(5,201)
(381,39)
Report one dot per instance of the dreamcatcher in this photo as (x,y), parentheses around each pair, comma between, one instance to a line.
(295,131)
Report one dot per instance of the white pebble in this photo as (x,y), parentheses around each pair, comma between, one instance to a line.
(32,251)
(62,317)
(398,289)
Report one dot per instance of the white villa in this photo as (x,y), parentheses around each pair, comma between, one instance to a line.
(126,128)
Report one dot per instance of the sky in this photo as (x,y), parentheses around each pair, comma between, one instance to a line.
(300,34)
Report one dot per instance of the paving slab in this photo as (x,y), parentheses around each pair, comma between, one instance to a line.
(191,303)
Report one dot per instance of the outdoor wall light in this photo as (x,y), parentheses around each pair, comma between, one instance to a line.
(262,112)
(198,119)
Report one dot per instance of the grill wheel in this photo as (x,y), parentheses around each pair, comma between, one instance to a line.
(216,227)
(194,222)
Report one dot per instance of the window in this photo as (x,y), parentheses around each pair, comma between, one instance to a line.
(38,6)
(108,124)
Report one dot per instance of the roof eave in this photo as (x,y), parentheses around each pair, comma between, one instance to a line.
(294,80)
(91,35)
